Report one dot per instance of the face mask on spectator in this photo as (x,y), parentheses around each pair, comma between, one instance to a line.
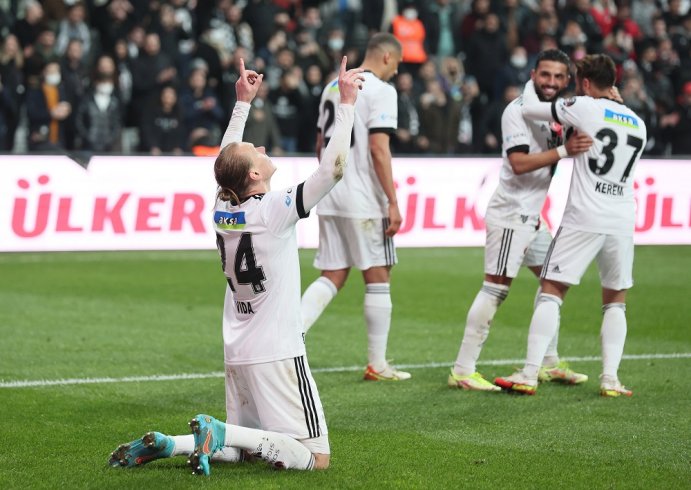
(336,43)
(519,61)
(53,79)
(410,14)
(104,88)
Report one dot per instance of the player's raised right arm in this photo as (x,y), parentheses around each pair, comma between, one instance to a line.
(246,89)
(334,156)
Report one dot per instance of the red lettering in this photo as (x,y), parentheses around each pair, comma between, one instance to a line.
(64,209)
(193,215)
(428,221)
(649,212)
(464,212)
(409,215)
(19,217)
(145,213)
(667,203)
(103,214)
(545,213)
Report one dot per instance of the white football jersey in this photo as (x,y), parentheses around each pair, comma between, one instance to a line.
(601,195)
(518,199)
(359,194)
(256,240)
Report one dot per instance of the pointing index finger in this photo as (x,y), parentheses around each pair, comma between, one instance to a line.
(242,67)
(344,62)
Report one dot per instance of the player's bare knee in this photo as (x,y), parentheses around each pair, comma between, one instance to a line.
(321,461)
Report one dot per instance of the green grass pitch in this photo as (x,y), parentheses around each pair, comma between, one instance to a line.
(141,314)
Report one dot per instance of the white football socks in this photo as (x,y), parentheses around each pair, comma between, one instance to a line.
(276,449)
(378,309)
(184,446)
(543,327)
(315,299)
(613,337)
(480,316)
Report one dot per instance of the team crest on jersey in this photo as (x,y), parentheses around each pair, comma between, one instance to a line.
(621,119)
(334,86)
(570,101)
(288,201)
(229,221)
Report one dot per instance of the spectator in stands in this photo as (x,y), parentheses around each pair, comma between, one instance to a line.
(150,72)
(440,19)
(72,27)
(200,106)
(40,53)
(408,129)
(642,11)
(474,20)
(119,65)
(578,12)
(678,125)
(261,128)
(516,72)
(487,54)
(473,105)
(75,81)
(313,84)
(439,119)
(98,119)
(47,110)
(12,88)
(451,74)
(28,29)
(169,31)
(411,33)
(288,106)
(163,130)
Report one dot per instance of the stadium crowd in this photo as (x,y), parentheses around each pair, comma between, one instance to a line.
(158,76)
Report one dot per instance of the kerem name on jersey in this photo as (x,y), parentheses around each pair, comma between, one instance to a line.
(229,221)
(621,119)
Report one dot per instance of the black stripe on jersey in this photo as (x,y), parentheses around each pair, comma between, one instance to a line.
(504,250)
(220,244)
(308,406)
(389,250)
(518,149)
(382,130)
(299,204)
(554,111)
(545,266)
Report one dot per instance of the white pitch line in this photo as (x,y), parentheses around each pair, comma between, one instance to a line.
(39,383)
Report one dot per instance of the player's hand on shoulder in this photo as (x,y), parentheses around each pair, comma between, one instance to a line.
(615,95)
(349,82)
(248,84)
(577,143)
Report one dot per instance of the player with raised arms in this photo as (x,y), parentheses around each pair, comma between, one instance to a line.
(273,409)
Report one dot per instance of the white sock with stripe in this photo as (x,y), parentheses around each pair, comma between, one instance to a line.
(543,327)
(613,337)
(378,309)
(315,299)
(480,316)
(277,449)
(184,445)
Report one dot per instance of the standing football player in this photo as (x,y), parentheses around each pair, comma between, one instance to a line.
(515,234)
(598,222)
(358,219)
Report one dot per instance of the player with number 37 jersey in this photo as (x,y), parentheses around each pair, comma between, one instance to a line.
(601,195)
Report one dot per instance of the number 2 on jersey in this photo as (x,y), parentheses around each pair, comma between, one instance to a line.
(610,140)
(245,267)
(330,110)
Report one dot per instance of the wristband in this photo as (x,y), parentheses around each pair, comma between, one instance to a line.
(561,151)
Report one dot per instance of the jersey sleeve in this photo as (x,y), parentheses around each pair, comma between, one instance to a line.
(383,114)
(280,210)
(236,126)
(514,130)
(574,111)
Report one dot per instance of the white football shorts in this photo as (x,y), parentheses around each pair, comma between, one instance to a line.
(279,396)
(353,242)
(572,251)
(506,249)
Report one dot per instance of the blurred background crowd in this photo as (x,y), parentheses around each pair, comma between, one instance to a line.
(157,77)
